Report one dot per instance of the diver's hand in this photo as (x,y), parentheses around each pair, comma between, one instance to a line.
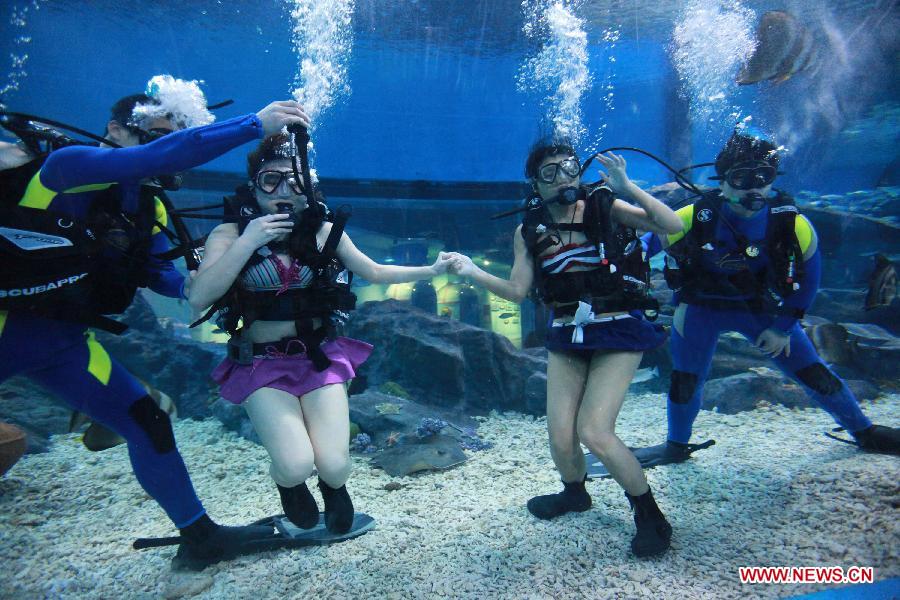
(615,177)
(442,264)
(262,230)
(460,264)
(278,114)
(774,342)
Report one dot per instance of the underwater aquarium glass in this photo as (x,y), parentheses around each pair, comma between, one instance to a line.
(727,273)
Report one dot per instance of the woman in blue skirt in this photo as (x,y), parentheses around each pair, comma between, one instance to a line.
(578,246)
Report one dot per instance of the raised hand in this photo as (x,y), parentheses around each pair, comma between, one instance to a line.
(615,177)
(278,114)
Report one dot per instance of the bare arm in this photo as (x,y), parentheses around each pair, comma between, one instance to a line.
(521,277)
(650,214)
(355,260)
(223,259)
(226,254)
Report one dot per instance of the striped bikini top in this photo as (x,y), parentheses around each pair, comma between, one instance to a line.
(270,275)
(584,254)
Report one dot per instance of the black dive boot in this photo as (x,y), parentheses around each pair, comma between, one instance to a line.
(299,505)
(573,498)
(338,508)
(654,533)
(878,438)
(204,543)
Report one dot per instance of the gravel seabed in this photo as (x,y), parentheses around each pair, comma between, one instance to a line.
(772,491)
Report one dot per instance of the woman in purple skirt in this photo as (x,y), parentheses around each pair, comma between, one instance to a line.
(578,246)
(280,277)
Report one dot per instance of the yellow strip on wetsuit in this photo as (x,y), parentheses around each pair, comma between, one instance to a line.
(39,196)
(99,363)
(686,213)
(162,217)
(806,236)
(3,314)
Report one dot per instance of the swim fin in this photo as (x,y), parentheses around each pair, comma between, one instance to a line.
(274,533)
(876,439)
(651,456)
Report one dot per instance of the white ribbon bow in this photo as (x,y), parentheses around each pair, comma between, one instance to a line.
(583,316)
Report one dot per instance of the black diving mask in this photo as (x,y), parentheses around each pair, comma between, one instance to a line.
(170,182)
(754,176)
(570,166)
(269,181)
(146,136)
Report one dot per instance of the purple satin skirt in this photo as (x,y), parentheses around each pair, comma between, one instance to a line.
(293,374)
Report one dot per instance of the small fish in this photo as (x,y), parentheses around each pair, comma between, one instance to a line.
(645,374)
(784,47)
(765,372)
(388,408)
(506,315)
(882,283)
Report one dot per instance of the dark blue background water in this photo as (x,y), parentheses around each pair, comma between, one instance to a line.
(434,84)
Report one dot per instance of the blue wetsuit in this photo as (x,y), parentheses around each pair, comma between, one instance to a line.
(697,325)
(64,356)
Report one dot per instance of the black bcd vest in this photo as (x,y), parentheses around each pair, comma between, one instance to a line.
(58,266)
(327,297)
(619,283)
(768,287)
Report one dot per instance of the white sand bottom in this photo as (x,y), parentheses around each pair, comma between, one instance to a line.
(772,491)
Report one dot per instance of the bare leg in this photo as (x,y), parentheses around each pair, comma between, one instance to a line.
(566,376)
(565,384)
(327,418)
(278,420)
(607,382)
(328,422)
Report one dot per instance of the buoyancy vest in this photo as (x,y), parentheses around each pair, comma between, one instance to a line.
(327,298)
(621,280)
(60,266)
(779,256)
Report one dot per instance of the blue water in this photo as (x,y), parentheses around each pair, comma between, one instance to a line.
(433,83)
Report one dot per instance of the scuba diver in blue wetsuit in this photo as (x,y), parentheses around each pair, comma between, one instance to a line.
(84,236)
(747,261)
